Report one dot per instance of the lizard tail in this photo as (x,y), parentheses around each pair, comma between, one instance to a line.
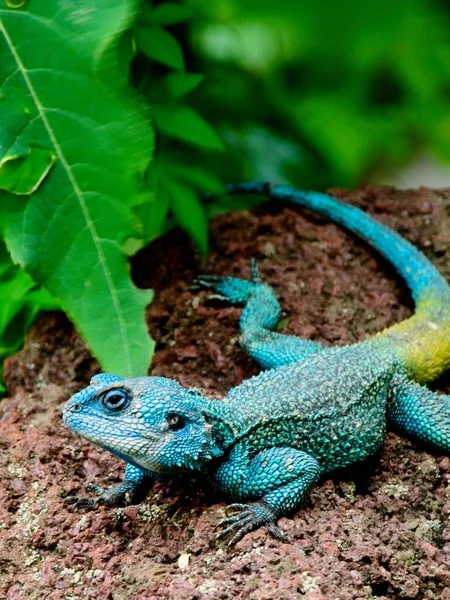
(423,341)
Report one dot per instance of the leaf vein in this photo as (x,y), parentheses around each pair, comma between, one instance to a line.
(78,193)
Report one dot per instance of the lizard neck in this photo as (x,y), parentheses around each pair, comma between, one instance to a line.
(224,429)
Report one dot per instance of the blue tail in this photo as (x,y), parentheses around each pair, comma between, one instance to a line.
(423,279)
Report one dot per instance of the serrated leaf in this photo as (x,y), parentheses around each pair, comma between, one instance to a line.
(188,212)
(58,74)
(184,123)
(158,44)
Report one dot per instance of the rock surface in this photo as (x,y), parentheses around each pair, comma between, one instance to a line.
(380,531)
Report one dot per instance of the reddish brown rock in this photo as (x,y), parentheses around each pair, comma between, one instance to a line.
(380,531)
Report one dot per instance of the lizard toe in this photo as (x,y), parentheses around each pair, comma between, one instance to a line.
(205,281)
(237,528)
(231,289)
(276,532)
(231,521)
(248,517)
(236,506)
(116,496)
(75,502)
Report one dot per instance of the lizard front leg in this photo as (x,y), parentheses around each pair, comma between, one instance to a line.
(133,489)
(259,317)
(276,481)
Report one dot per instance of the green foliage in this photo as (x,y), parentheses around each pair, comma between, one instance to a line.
(157,44)
(22,299)
(344,91)
(185,138)
(311,94)
(64,100)
(75,144)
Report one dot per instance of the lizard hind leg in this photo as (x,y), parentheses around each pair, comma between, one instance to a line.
(420,412)
(259,318)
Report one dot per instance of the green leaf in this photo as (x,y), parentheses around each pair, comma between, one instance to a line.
(158,44)
(204,181)
(180,84)
(15,284)
(24,174)
(153,213)
(188,212)
(22,299)
(184,123)
(170,13)
(59,78)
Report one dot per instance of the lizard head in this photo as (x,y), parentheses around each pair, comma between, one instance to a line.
(152,422)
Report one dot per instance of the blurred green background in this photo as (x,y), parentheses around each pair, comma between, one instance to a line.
(317,93)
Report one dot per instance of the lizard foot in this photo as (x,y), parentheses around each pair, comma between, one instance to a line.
(232,289)
(249,517)
(116,496)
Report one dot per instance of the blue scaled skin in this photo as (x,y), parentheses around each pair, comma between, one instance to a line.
(312,410)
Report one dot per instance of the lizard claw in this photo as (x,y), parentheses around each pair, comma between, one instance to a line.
(276,532)
(206,281)
(210,282)
(216,282)
(231,289)
(255,276)
(248,518)
(116,496)
(75,502)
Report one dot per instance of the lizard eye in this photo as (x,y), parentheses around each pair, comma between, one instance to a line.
(175,422)
(115,400)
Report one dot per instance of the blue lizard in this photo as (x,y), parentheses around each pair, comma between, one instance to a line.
(311,411)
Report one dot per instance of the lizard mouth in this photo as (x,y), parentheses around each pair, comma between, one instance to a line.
(100,431)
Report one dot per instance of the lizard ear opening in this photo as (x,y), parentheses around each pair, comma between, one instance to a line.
(105,379)
(175,422)
(187,441)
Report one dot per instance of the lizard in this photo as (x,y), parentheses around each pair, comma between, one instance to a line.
(310,411)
